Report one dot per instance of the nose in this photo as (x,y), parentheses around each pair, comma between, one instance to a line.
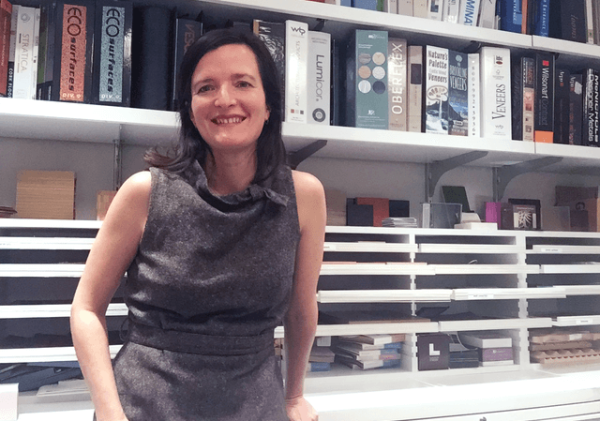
(225,96)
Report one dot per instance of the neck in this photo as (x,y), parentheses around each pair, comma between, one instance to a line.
(227,174)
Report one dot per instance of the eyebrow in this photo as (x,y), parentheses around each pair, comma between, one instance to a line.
(234,76)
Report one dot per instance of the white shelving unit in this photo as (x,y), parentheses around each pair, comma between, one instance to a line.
(513,280)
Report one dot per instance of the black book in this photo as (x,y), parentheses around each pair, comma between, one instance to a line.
(43,49)
(544,98)
(516,97)
(273,35)
(111,84)
(187,32)
(561,106)
(70,40)
(590,107)
(151,67)
(568,20)
(575,109)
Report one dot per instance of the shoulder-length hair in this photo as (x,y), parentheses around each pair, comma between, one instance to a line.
(270,150)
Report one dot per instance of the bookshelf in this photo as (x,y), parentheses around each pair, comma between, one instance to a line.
(499,287)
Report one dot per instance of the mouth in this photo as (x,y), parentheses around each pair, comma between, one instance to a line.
(228,120)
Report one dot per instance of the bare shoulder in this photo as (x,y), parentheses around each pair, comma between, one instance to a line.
(138,184)
(130,205)
(310,199)
(307,185)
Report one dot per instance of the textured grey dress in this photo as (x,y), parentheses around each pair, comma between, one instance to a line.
(211,280)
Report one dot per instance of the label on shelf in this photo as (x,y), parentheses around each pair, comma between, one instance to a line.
(551,250)
(576,337)
(480,297)
(583,321)
(329,247)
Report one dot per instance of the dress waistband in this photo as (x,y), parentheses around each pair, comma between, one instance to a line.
(195,343)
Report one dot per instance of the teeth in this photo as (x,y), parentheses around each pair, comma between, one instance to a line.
(228,120)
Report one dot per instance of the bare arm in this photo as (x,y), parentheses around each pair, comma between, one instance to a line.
(112,252)
(301,320)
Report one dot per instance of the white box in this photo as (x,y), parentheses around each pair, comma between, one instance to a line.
(24,49)
(397,75)
(469,11)
(474,81)
(296,69)
(319,78)
(496,119)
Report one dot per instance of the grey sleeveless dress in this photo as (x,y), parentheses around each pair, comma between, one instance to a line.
(211,280)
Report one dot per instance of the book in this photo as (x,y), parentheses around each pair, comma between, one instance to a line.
(511,18)
(111,83)
(187,32)
(312,366)
(405,7)
(296,56)
(349,341)
(71,32)
(538,14)
(5,19)
(458,94)
(36,52)
(575,109)
(397,76)
(390,6)
(376,339)
(365,354)
(485,339)
(528,93)
(495,93)
(452,11)
(366,365)
(10,78)
(568,20)
(496,363)
(420,9)
(590,29)
(43,49)
(590,108)
(321,354)
(435,10)
(561,106)
(361,317)
(381,208)
(151,46)
(415,88)
(366,80)
(436,90)
(469,11)
(319,78)
(474,103)
(273,35)
(46,194)
(516,77)
(24,62)
(544,98)
(487,14)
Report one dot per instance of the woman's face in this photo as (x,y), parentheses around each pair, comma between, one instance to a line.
(228,100)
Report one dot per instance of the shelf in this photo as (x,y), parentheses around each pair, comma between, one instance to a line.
(494,324)
(570,269)
(43,243)
(51,310)
(358,269)
(376,328)
(61,270)
(31,119)
(368,247)
(48,223)
(34,355)
(470,248)
(563,249)
(580,289)
(576,320)
(576,54)
(388,145)
(468,294)
(384,296)
(477,269)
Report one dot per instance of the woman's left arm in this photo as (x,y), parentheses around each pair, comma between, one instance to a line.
(301,319)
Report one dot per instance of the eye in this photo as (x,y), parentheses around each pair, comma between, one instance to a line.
(244,84)
(204,88)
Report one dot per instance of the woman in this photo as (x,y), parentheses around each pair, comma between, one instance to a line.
(221,244)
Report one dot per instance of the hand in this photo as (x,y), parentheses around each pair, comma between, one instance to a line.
(298,409)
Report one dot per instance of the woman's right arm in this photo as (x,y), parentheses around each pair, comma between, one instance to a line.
(113,250)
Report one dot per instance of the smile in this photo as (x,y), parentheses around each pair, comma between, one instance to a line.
(231,120)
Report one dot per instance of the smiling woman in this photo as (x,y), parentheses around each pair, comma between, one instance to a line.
(221,244)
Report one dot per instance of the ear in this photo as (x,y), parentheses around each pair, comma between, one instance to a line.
(268,114)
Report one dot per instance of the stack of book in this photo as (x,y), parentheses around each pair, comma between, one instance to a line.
(46,194)
(320,358)
(364,352)
(493,348)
